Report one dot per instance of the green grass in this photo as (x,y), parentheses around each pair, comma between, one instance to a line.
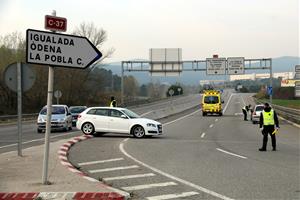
(284,102)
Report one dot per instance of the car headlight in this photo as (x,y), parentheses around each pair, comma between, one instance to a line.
(41,119)
(151,125)
(61,120)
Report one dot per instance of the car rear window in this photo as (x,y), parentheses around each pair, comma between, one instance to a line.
(259,108)
(211,99)
(77,109)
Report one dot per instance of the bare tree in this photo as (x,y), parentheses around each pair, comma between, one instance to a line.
(97,36)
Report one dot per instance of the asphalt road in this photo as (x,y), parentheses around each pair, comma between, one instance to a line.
(30,137)
(198,157)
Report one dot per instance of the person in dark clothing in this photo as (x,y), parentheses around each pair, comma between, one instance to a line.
(245,109)
(113,102)
(268,121)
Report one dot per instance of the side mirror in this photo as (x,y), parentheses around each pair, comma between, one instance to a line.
(124,116)
(68,113)
(222,101)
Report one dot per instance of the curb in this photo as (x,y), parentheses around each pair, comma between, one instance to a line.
(63,153)
(60,196)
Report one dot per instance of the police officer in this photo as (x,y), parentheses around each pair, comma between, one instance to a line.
(268,119)
(113,102)
(245,109)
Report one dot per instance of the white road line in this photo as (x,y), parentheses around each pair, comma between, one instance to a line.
(37,140)
(202,189)
(224,110)
(181,118)
(233,154)
(146,113)
(243,100)
(99,161)
(128,177)
(113,169)
(172,196)
(154,185)
(210,126)
(202,135)
(216,120)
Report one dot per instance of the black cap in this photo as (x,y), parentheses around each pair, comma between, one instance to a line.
(267,105)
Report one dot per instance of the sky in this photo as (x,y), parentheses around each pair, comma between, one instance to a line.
(229,28)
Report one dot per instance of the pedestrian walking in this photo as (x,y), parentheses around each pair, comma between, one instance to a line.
(268,122)
(113,102)
(245,110)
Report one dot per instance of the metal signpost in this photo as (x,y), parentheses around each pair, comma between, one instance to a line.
(19,77)
(235,65)
(297,81)
(215,66)
(57,95)
(59,50)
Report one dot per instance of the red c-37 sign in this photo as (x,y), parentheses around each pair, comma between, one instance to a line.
(55,23)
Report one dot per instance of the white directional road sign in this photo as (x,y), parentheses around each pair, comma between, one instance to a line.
(63,50)
(215,66)
(235,65)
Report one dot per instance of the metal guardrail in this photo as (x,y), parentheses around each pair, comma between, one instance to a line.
(287,113)
(8,117)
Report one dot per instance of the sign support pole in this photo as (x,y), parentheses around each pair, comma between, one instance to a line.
(271,81)
(122,85)
(48,121)
(19,91)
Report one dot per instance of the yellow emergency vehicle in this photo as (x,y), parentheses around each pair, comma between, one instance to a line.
(211,102)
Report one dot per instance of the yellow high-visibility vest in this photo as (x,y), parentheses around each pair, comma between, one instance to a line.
(268,118)
(111,103)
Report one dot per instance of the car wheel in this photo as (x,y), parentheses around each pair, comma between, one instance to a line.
(39,130)
(138,131)
(88,128)
(203,113)
(220,114)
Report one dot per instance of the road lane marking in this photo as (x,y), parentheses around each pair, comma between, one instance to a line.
(202,135)
(37,140)
(146,113)
(129,177)
(216,120)
(238,114)
(99,161)
(210,126)
(181,118)
(190,184)
(233,154)
(172,196)
(154,185)
(224,110)
(243,100)
(113,169)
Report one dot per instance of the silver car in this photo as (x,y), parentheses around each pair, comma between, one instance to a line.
(61,118)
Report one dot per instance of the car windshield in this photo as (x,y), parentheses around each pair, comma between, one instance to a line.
(130,114)
(259,108)
(55,111)
(77,109)
(211,99)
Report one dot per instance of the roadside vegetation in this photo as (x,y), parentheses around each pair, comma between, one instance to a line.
(91,87)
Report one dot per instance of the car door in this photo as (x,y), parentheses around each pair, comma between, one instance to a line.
(100,120)
(118,124)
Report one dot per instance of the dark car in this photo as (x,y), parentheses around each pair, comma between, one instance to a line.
(75,111)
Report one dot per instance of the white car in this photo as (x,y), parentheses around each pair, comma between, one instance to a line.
(256,113)
(116,120)
(61,118)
